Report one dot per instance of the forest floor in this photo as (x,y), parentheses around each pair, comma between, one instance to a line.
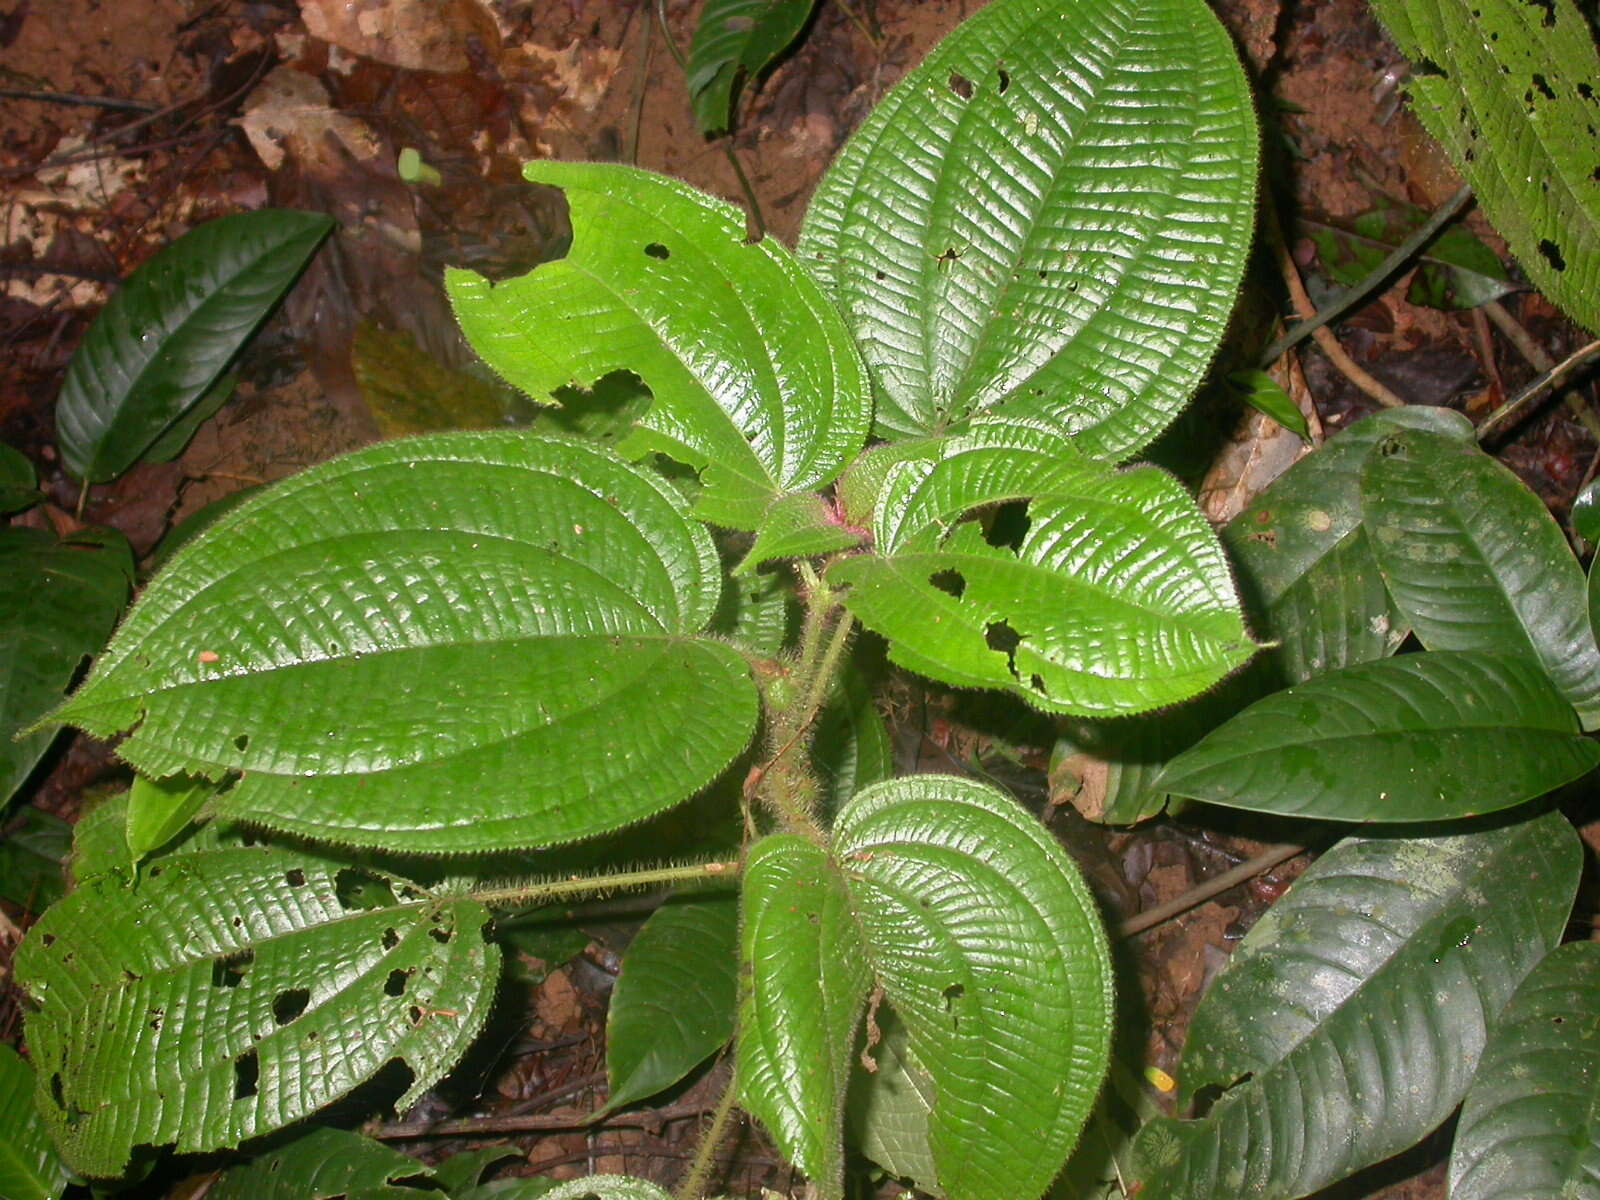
(128,122)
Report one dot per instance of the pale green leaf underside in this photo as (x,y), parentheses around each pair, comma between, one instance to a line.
(889,1108)
(1423,737)
(30,1168)
(607,1187)
(1530,1124)
(1360,1005)
(734,39)
(989,946)
(441,644)
(233,992)
(172,329)
(1117,600)
(326,1164)
(1475,561)
(1508,88)
(673,1005)
(1050,216)
(755,380)
(804,979)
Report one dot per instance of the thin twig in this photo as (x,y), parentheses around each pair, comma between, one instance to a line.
(849,10)
(630,153)
(115,102)
(698,1175)
(470,1126)
(1204,891)
(1534,355)
(1322,335)
(1372,281)
(1514,409)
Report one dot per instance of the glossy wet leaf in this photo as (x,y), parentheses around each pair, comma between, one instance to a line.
(327,1164)
(755,380)
(1116,599)
(1586,512)
(1474,560)
(988,945)
(30,1168)
(673,1004)
(1454,270)
(436,645)
(1358,1007)
(803,981)
(58,604)
(1507,87)
(1423,737)
(1264,394)
(1048,216)
(1530,1123)
(736,40)
(260,985)
(170,332)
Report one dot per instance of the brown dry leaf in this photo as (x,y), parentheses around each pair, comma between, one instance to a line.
(558,1004)
(416,35)
(1259,451)
(289,116)
(579,74)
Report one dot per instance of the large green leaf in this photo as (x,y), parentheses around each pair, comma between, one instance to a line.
(58,604)
(736,39)
(1508,87)
(673,1006)
(464,642)
(1530,1124)
(1423,737)
(1117,599)
(1349,1022)
(30,1168)
(803,980)
(1050,215)
(1475,561)
(756,382)
(327,1164)
(234,991)
(986,941)
(169,333)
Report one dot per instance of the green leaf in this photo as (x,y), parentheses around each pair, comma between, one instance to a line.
(1586,512)
(851,749)
(1455,270)
(673,1006)
(58,604)
(989,946)
(165,338)
(176,439)
(734,40)
(756,381)
(890,1107)
(1396,955)
(1117,600)
(802,525)
(159,809)
(1050,215)
(32,852)
(327,1164)
(1530,1124)
(256,986)
(1264,394)
(803,979)
(1475,561)
(1306,568)
(607,1187)
(755,612)
(30,1168)
(436,645)
(1424,737)
(1507,87)
(19,483)
(464,1171)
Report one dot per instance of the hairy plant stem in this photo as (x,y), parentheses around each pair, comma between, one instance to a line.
(698,1176)
(544,891)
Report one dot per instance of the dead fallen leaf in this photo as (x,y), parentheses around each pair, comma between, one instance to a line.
(417,35)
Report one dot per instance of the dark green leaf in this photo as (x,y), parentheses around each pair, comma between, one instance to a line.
(673,1006)
(30,1168)
(607,1187)
(1586,512)
(257,989)
(1264,394)
(1424,737)
(1507,86)
(889,1107)
(166,337)
(734,40)
(1475,561)
(510,595)
(173,442)
(327,1164)
(851,749)
(1050,215)
(755,611)
(756,382)
(1349,1022)
(158,810)
(19,484)
(33,851)
(1530,1124)
(58,604)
